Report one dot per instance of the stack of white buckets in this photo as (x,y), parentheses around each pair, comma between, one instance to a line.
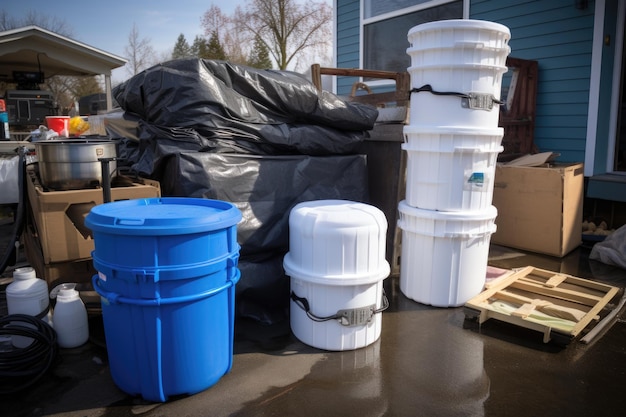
(452,143)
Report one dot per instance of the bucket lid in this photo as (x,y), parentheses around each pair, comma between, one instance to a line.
(163,216)
(460,24)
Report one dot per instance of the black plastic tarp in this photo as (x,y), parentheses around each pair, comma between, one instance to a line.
(261,111)
(265,188)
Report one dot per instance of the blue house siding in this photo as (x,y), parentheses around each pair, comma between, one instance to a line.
(560,39)
(553,32)
(348,40)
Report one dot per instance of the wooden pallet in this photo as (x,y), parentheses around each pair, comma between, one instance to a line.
(558,305)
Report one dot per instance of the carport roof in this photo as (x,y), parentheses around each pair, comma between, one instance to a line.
(32,48)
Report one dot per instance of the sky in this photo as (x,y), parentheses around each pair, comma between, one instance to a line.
(106,24)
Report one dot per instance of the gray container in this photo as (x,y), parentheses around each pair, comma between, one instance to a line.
(74,164)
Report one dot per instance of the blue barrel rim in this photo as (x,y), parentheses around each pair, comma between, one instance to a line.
(134,216)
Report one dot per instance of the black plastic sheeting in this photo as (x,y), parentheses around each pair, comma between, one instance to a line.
(227,107)
(265,188)
(264,140)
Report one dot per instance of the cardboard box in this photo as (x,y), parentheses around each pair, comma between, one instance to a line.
(59,216)
(540,209)
(77,271)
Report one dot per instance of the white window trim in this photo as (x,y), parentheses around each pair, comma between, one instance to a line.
(615,96)
(594,90)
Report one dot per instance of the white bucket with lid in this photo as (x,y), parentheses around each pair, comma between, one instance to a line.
(451,169)
(336,263)
(444,254)
(456,72)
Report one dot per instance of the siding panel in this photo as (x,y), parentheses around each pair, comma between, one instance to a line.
(559,37)
(348,40)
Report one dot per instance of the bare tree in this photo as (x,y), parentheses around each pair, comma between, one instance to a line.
(67,90)
(217,24)
(139,52)
(33,17)
(288,28)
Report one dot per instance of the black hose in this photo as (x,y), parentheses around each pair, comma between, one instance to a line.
(18,224)
(22,367)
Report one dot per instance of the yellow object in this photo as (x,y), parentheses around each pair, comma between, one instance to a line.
(78,125)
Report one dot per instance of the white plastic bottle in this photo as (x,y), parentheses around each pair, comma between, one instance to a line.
(69,317)
(27,294)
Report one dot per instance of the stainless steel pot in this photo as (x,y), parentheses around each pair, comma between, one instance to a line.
(74,164)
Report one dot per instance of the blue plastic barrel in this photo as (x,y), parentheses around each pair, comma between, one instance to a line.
(167,269)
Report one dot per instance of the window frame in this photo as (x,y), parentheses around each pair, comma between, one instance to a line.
(400,12)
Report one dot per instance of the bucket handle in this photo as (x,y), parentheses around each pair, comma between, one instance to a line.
(474,101)
(346,317)
(154,302)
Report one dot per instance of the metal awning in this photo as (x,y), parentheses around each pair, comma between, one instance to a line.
(32,48)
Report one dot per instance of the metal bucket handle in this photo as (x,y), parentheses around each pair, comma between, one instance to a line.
(346,317)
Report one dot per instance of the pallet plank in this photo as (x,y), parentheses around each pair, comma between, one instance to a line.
(562,302)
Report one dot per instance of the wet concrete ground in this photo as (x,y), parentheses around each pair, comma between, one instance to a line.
(428,362)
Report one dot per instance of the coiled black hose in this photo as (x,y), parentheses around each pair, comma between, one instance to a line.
(22,367)
(21,211)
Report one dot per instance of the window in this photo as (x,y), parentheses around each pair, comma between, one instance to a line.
(385,35)
(372,8)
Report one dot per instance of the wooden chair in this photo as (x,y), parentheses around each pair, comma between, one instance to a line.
(400,96)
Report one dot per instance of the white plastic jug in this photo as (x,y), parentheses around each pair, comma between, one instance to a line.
(27,294)
(69,317)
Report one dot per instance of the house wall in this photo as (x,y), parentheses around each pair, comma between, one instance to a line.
(554,32)
(560,37)
(348,41)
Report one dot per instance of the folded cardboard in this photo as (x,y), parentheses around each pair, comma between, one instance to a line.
(59,215)
(540,209)
(77,271)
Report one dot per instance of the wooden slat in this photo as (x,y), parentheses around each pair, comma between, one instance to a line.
(575,296)
(532,285)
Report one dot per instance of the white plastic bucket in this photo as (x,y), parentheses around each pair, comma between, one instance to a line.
(459,56)
(444,254)
(327,300)
(463,95)
(478,34)
(451,169)
(337,265)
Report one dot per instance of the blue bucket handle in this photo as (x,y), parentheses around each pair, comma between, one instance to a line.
(152,302)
